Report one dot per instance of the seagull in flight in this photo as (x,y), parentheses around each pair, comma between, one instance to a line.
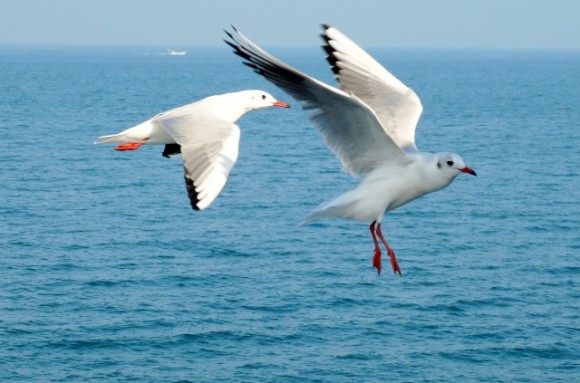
(369,124)
(204,133)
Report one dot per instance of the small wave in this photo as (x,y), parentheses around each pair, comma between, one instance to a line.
(227,336)
(82,344)
(359,357)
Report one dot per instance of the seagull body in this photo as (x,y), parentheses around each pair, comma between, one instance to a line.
(204,133)
(385,188)
(369,123)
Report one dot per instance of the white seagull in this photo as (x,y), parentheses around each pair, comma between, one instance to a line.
(204,133)
(369,124)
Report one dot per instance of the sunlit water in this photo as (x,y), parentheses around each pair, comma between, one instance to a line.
(107,275)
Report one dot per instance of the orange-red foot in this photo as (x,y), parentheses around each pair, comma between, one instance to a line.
(377,260)
(129,146)
(377,256)
(394,263)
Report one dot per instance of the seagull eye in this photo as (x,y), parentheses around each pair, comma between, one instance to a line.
(263,97)
(450,163)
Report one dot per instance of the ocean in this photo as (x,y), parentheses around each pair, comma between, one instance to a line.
(108,275)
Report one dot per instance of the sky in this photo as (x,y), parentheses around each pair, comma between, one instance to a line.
(433,24)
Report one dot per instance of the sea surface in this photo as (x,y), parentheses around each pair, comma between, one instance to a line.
(107,275)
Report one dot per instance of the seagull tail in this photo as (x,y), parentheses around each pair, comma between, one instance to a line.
(317,214)
(119,137)
(343,206)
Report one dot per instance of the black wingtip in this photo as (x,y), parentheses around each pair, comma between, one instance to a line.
(325,26)
(329,50)
(171,150)
(230,35)
(192,193)
(230,43)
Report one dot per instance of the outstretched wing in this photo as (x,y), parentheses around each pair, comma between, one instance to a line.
(397,106)
(209,147)
(348,126)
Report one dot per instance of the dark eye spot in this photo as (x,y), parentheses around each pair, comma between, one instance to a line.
(450,163)
(263,97)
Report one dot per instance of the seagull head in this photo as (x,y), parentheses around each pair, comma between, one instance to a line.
(452,165)
(258,99)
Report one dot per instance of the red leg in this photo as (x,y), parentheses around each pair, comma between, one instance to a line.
(394,263)
(377,256)
(129,146)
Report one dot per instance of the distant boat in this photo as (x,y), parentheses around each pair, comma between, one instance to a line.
(172,52)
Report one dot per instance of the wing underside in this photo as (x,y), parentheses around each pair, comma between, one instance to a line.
(397,107)
(209,148)
(348,126)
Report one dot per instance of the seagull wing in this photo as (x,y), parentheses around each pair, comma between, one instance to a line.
(397,106)
(209,147)
(348,126)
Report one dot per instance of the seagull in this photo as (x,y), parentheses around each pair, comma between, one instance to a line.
(369,124)
(204,133)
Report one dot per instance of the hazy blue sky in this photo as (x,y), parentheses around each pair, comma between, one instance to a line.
(388,23)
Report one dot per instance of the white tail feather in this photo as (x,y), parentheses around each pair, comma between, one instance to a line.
(110,139)
(343,207)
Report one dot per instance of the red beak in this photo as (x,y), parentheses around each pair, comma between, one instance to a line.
(468,170)
(281,104)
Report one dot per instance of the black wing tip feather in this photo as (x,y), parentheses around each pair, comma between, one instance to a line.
(171,150)
(192,193)
(261,66)
(237,47)
(228,33)
(329,50)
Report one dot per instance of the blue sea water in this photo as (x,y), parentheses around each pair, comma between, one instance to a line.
(107,275)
